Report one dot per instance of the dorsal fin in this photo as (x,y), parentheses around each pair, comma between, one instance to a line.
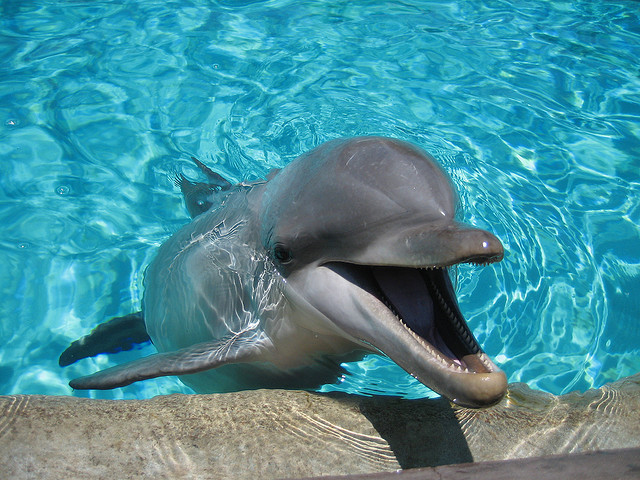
(197,195)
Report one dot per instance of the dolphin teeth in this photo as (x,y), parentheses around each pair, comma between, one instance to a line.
(427,346)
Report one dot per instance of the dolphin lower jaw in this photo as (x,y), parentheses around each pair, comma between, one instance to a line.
(474,381)
(412,317)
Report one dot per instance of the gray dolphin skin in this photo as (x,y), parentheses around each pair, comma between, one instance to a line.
(343,252)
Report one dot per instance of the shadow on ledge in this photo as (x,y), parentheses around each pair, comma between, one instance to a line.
(421,433)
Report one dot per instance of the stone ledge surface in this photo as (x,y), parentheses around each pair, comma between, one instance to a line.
(290,434)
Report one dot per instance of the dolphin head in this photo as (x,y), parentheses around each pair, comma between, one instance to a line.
(363,231)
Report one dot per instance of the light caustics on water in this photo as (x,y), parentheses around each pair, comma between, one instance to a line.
(532,107)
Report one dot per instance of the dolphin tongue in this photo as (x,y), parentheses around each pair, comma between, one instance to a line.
(408,297)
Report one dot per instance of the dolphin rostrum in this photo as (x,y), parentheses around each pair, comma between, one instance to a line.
(345,251)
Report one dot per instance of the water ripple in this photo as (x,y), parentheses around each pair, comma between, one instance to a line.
(532,107)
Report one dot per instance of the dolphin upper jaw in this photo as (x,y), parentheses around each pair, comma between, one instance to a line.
(431,245)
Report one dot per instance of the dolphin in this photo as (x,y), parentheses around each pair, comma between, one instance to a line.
(344,252)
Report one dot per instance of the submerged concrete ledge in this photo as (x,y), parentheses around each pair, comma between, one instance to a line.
(289,434)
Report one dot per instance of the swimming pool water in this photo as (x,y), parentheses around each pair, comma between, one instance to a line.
(532,106)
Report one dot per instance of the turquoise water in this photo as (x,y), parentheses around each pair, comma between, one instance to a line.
(532,106)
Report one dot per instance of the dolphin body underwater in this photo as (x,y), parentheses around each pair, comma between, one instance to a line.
(274,284)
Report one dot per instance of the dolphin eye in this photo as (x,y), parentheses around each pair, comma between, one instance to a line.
(282,254)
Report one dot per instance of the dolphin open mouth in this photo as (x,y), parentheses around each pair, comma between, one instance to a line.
(424,302)
(440,350)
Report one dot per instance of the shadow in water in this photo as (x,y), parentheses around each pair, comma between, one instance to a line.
(421,433)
